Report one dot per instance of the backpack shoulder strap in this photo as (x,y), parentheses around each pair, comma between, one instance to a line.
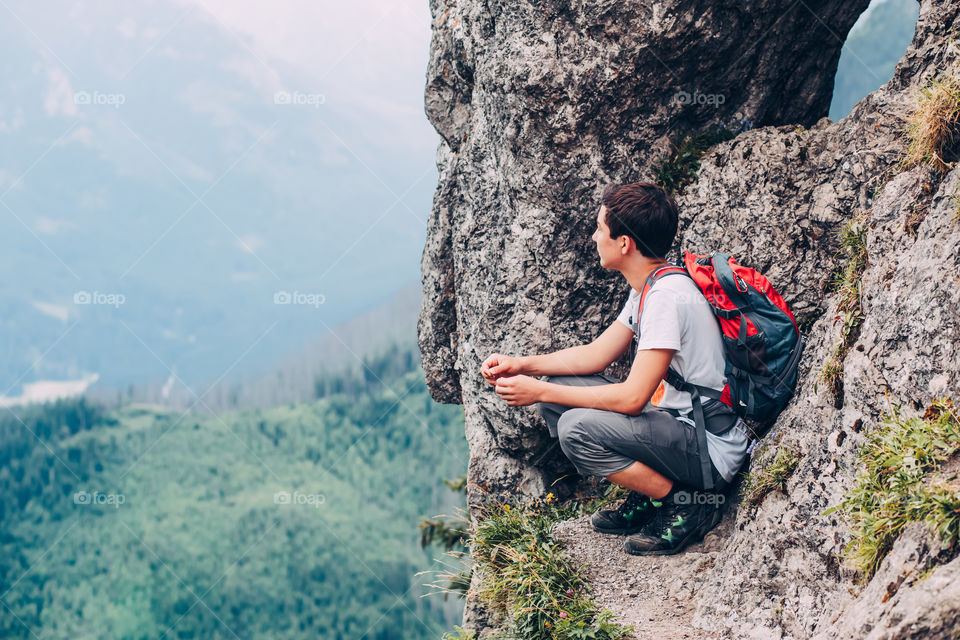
(699,419)
(661,271)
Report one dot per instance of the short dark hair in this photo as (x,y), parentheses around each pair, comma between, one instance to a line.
(642,211)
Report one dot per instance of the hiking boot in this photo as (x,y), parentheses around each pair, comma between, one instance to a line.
(673,528)
(631,516)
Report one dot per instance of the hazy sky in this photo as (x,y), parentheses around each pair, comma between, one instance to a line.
(362,52)
(144,151)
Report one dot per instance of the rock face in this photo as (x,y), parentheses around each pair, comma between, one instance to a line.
(541,105)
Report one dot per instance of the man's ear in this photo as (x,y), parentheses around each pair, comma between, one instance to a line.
(626,242)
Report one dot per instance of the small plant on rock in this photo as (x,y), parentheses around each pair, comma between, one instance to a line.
(459,633)
(443,533)
(848,282)
(525,577)
(451,534)
(772,477)
(680,166)
(612,493)
(934,125)
(898,484)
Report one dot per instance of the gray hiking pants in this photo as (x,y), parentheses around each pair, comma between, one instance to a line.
(600,442)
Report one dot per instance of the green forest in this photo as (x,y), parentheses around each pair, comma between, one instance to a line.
(296,522)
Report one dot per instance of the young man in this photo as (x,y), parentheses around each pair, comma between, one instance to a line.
(639,433)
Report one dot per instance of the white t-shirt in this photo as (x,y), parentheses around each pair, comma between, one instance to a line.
(677,316)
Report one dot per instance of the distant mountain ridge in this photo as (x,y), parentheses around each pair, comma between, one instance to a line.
(341,351)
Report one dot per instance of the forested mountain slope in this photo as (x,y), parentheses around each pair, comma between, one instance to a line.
(297,522)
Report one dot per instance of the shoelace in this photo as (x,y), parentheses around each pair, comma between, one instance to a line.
(634,500)
(657,523)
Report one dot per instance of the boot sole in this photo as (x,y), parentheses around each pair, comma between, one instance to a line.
(618,532)
(668,552)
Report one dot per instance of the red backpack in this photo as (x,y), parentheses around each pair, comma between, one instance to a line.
(762,344)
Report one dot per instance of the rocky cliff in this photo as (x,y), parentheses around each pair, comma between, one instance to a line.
(541,104)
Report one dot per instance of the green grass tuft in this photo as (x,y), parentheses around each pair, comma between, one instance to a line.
(460,634)
(446,533)
(898,484)
(680,166)
(457,485)
(441,532)
(525,577)
(934,124)
(612,493)
(853,244)
(772,477)
(848,282)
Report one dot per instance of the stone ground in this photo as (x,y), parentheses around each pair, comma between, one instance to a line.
(653,594)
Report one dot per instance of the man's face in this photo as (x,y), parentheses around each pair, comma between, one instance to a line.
(607,247)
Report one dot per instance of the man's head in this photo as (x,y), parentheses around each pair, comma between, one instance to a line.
(640,214)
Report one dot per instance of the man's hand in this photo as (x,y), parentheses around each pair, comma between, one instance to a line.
(519,391)
(499,365)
